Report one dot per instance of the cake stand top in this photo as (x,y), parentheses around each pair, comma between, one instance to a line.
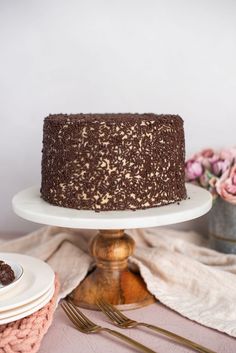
(29,205)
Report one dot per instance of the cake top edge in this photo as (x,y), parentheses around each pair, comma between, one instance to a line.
(111,117)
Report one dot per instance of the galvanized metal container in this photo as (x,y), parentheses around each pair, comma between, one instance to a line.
(222,226)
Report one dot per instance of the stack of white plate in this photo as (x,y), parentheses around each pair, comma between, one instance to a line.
(32,288)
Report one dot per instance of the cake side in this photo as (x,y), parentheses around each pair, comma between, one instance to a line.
(113,161)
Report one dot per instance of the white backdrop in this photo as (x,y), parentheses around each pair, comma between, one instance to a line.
(169,56)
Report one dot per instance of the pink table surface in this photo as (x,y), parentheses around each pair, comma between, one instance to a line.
(62,337)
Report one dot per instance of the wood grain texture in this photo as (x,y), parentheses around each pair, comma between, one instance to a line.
(112,280)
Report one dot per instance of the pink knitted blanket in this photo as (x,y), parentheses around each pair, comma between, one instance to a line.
(25,335)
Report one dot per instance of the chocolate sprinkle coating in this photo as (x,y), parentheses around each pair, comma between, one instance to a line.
(6,273)
(108,162)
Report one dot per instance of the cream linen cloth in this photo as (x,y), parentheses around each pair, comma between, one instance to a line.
(195,281)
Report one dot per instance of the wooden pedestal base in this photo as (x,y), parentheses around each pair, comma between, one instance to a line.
(112,280)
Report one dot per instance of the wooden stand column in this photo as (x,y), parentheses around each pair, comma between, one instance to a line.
(112,280)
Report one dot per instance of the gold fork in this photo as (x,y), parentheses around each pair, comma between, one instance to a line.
(83,324)
(120,320)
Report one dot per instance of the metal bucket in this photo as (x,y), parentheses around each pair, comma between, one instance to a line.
(222,226)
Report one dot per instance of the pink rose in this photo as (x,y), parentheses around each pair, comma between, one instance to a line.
(193,170)
(206,153)
(226,185)
(229,154)
(220,166)
(207,157)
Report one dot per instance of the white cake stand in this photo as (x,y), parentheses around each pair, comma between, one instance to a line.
(111,247)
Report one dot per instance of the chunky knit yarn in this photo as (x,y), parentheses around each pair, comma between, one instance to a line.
(25,335)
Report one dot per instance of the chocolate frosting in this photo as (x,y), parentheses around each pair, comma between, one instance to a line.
(113,161)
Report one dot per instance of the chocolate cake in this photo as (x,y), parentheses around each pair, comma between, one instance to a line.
(7,275)
(108,162)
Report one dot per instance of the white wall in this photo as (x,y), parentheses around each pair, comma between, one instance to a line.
(111,56)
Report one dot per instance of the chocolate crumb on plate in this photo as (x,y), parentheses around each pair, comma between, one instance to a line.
(7,275)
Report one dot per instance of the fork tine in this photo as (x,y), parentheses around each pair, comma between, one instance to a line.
(70,315)
(116,310)
(112,308)
(109,312)
(86,322)
(78,319)
(80,313)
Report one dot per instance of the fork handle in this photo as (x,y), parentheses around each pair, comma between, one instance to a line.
(129,340)
(178,338)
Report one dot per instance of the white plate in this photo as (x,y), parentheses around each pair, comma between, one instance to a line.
(26,307)
(30,311)
(18,271)
(37,280)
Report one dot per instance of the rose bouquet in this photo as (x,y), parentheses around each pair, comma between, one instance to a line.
(215,171)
